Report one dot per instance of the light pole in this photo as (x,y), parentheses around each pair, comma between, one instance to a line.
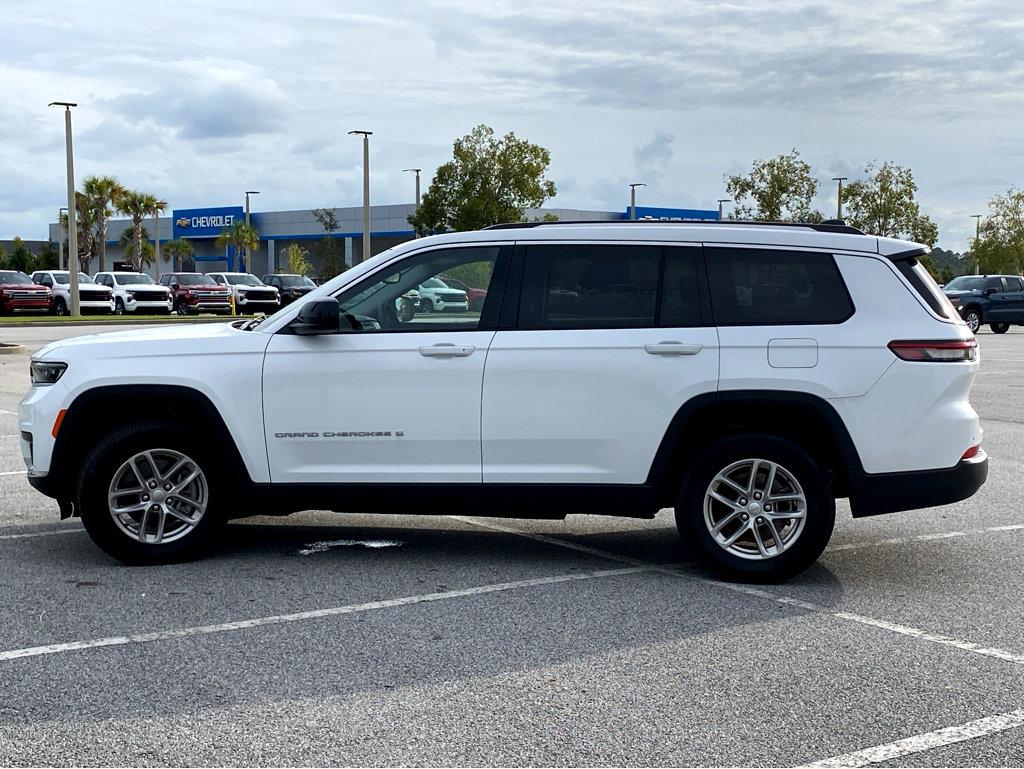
(366,190)
(632,199)
(156,233)
(60,244)
(839,195)
(72,213)
(417,170)
(248,256)
(720,202)
(977,237)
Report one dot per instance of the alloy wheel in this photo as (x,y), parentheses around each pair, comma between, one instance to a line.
(158,496)
(973,321)
(755,509)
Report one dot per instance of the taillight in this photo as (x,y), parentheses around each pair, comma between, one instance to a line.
(936,352)
(971,452)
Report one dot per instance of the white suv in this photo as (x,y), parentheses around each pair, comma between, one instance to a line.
(92,297)
(135,292)
(749,376)
(437,296)
(250,293)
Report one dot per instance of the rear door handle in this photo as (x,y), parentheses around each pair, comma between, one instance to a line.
(673,348)
(447,350)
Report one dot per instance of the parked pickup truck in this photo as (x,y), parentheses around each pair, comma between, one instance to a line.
(994,299)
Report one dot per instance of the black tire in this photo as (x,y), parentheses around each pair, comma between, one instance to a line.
(426,306)
(972,316)
(811,540)
(119,306)
(180,308)
(99,469)
(60,307)
(999,328)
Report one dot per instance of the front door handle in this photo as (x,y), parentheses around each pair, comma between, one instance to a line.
(673,348)
(447,350)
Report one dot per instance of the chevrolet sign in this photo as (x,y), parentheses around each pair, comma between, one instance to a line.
(204,222)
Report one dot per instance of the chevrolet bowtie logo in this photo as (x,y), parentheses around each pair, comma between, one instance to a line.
(184,222)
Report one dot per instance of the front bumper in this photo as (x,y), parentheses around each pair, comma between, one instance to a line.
(881,493)
(134,305)
(26,305)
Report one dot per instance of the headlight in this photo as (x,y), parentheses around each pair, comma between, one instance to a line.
(46,373)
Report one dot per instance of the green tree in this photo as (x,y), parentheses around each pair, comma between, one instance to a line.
(20,257)
(180,253)
(138,251)
(242,237)
(3,259)
(328,248)
(100,195)
(885,204)
(487,181)
(781,189)
(295,256)
(47,257)
(85,229)
(137,206)
(1000,248)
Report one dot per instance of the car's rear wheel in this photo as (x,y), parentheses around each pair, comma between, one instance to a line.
(756,508)
(146,495)
(999,328)
(973,319)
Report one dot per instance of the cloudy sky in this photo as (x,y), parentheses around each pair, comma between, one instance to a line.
(199,101)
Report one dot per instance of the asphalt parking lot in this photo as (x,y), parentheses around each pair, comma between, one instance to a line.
(330,639)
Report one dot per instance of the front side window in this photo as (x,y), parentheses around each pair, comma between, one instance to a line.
(580,286)
(752,287)
(994,284)
(409,295)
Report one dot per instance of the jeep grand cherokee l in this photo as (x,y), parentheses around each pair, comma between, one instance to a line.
(749,376)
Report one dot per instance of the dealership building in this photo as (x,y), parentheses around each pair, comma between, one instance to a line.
(389,226)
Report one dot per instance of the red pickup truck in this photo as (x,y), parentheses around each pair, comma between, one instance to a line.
(18,293)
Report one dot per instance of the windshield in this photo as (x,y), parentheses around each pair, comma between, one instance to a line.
(63,278)
(133,279)
(12,278)
(243,280)
(434,283)
(195,280)
(300,281)
(966,283)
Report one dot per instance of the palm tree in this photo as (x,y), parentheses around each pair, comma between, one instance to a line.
(242,236)
(180,253)
(85,227)
(137,206)
(101,193)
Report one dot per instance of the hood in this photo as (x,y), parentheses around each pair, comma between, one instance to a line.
(22,287)
(143,341)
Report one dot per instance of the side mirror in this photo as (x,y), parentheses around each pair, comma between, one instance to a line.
(318,317)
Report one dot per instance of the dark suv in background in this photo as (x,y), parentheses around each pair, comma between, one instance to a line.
(292,287)
(994,299)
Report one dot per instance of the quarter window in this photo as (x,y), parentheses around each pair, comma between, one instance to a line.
(768,287)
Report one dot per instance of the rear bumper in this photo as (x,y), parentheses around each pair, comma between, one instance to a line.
(880,493)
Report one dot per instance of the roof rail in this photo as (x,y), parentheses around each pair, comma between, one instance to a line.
(832,225)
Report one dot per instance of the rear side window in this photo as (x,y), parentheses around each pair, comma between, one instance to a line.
(578,286)
(1013,284)
(752,287)
(926,287)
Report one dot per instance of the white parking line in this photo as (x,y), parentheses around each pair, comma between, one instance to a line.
(927,741)
(13,472)
(12,413)
(40,534)
(923,538)
(279,619)
(891,627)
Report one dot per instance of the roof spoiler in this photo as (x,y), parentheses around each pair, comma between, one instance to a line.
(910,253)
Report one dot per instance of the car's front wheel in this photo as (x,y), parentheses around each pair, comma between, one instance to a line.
(756,508)
(973,319)
(60,307)
(118,306)
(146,495)
(999,328)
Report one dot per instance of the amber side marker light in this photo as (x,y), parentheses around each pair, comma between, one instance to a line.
(57,422)
(959,351)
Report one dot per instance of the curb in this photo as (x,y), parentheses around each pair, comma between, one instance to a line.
(11,349)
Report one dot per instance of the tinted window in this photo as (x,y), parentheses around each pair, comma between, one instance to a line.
(1014,284)
(994,283)
(680,295)
(755,286)
(583,286)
